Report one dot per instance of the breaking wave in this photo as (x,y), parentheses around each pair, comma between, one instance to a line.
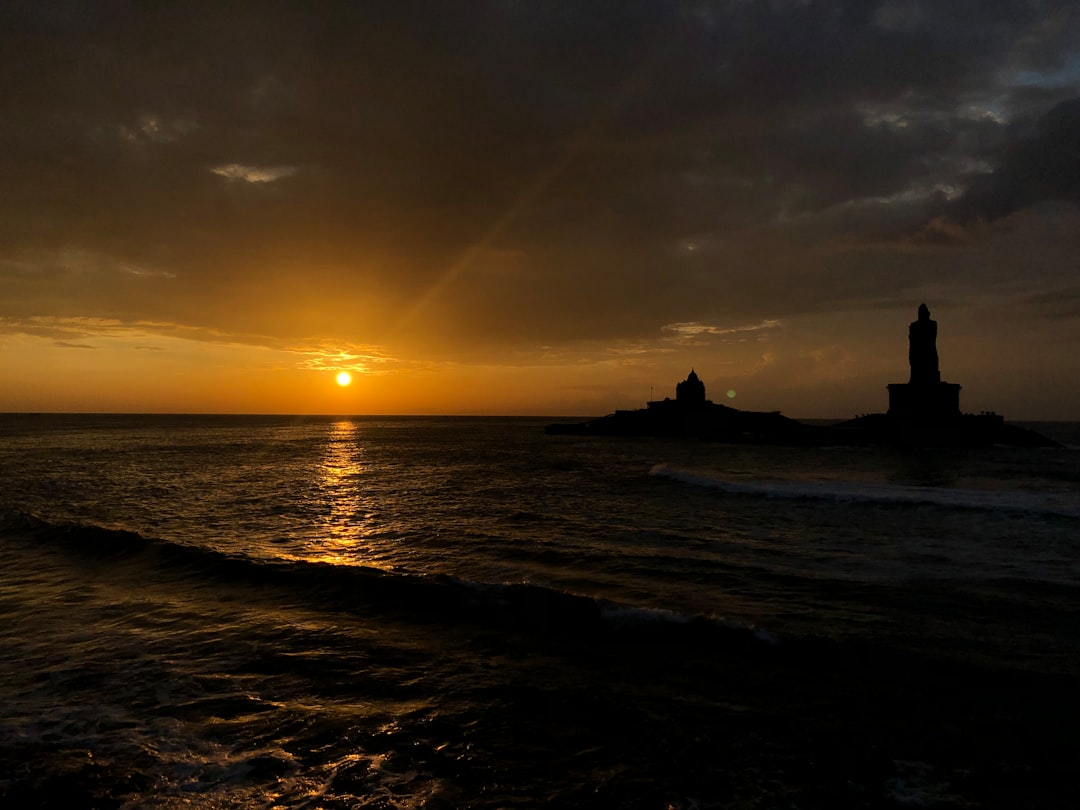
(515,606)
(1023,501)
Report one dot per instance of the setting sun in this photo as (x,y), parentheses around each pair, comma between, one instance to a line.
(344,378)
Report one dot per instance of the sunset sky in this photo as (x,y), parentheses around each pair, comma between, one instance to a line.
(536,207)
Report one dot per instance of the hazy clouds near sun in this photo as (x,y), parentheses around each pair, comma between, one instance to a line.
(466,178)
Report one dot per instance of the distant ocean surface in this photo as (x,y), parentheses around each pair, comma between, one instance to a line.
(274,612)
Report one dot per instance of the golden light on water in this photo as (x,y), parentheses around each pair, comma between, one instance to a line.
(344,378)
(347,508)
(339,495)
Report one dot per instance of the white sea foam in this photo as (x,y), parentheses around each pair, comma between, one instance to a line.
(617,612)
(1015,500)
(917,785)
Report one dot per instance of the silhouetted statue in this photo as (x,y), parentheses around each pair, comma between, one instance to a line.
(924,398)
(922,349)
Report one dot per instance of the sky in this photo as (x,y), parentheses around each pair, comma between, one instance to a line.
(555,207)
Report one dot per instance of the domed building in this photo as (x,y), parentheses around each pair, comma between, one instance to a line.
(690,391)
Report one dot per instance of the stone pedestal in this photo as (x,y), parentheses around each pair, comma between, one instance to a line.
(924,402)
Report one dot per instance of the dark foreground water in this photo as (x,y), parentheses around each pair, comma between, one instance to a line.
(238,612)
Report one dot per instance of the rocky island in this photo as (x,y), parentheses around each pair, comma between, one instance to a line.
(690,414)
(923,412)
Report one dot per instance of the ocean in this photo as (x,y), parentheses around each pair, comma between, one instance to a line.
(275,612)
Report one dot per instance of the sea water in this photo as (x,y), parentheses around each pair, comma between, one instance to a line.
(258,612)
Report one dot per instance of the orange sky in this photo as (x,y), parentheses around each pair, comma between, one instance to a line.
(510,208)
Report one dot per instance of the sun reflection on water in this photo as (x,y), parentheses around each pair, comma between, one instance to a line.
(345,511)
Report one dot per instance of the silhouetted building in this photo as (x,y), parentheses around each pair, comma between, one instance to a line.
(690,391)
(689,396)
(690,414)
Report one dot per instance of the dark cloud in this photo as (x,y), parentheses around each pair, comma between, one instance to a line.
(529,172)
(1040,163)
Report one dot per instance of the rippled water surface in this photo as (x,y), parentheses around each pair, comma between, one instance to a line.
(387,612)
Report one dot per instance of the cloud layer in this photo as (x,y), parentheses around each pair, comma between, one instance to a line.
(458,180)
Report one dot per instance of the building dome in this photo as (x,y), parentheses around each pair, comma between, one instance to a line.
(690,391)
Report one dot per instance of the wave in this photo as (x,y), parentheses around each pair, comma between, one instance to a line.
(1023,501)
(431,598)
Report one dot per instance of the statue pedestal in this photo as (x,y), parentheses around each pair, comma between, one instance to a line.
(925,401)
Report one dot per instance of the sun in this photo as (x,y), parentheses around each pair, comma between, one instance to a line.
(344,378)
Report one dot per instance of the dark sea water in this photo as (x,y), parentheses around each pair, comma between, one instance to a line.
(265,612)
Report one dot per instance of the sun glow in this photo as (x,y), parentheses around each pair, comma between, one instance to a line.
(344,378)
